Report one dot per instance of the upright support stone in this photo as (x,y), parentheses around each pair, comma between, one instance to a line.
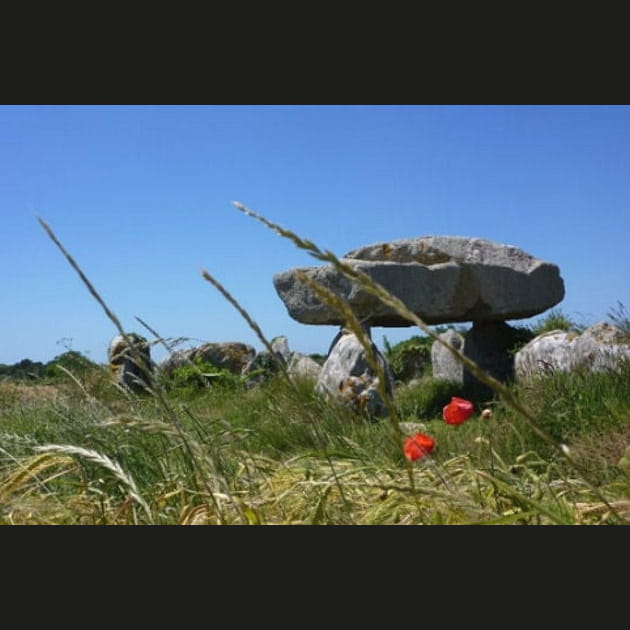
(347,376)
(489,344)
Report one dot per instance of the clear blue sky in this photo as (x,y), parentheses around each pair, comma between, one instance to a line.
(141,197)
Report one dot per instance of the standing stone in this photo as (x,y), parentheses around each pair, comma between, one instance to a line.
(130,361)
(347,376)
(489,344)
(280,345)
(443,363)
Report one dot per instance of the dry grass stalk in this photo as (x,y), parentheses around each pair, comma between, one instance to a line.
(155,392)
(104,461)
(254,326)
(29,470)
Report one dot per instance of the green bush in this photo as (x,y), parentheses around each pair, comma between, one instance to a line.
(23,370)
(555,320)
(191,379)
(410,358)
(72,360)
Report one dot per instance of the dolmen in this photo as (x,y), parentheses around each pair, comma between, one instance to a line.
(443,280)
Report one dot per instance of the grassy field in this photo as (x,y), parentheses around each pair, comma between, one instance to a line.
(86,452)
(77,449)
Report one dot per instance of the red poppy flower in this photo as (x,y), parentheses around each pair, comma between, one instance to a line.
(418,446)
(457,411)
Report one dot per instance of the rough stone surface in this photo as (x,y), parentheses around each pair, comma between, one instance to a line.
(443,363)
(233,356)
(600,347)
(488,344)
(545,354)
(130,361)
(261,367)
(347,376)
(302,366)
(280,345)
(440,278)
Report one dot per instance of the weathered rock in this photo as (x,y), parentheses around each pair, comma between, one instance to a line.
(600,347)
(130,361)
(444,365)
(303,367)
(231,355)
(347,376)
(262,366)
(489,344)
(280,345)
(545,354)
(265,364)
(440,278)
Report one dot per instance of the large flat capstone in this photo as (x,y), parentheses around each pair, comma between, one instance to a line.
(441,279)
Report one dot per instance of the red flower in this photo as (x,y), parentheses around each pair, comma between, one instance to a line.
(457,411)
(418,446)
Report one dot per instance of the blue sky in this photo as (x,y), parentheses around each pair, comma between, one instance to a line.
(141,197)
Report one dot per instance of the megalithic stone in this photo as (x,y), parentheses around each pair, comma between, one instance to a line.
(442,279)
(348,377)
(130,361)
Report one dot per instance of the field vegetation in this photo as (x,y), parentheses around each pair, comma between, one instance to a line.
(200,447)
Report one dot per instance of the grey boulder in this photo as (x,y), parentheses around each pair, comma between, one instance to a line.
(303,367)
(488,344)
(232,356)
(129,360)
(347,376)
(545,354)
(600,347)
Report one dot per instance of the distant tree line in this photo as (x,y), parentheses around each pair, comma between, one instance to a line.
(27,370)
